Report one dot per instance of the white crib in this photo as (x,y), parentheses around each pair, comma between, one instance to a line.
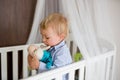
(74,69)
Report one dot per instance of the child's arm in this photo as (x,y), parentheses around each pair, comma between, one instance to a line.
(33,62)
(62,57)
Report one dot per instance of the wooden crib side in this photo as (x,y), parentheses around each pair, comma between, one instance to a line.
(14,50)
(59,72)
(80,66)
(70,69)
(4,51)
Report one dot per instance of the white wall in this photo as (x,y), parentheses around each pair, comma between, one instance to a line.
(112,30)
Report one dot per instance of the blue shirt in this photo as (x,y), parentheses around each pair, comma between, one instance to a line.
(60,56)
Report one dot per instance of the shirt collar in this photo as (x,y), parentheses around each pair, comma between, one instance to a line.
(57,46)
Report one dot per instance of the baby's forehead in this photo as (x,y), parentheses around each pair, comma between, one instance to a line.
(48,29)
(47,33)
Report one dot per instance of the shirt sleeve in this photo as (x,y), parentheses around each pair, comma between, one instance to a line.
(62,58)
(42,67)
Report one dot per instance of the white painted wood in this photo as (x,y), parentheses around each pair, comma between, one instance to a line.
(113,65)
(68,43)
(81,73)
(15,64)
(108,68)
(62,70)
(34,72)
(4,65)
(74,50)
(58,77)
(25,63)
(72,75)
(55,73)
(67,69)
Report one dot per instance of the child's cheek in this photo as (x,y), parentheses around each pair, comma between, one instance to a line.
(51,43)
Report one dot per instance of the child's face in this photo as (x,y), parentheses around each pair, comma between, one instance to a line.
(50,37)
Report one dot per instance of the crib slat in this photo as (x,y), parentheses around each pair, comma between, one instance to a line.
(58,78)
(108,68)
(25,63)
(74,49)
(113,69)
(81,73)
(4,65)
(33,72)
(71,75)
(15,65)
(68,43)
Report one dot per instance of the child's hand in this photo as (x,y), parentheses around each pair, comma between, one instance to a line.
(33,62)
(32,49)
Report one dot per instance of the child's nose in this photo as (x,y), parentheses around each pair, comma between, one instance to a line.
(43,39)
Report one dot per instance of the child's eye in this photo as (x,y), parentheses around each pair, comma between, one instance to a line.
(47,37)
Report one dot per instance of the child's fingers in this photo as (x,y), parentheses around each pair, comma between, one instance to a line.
(33,62)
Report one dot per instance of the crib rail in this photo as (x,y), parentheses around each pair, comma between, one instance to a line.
(70,69)
(53,74)
(14,50)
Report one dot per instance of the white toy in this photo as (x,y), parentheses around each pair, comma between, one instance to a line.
(41,53)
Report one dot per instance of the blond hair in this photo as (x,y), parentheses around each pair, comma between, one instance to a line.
(58,22)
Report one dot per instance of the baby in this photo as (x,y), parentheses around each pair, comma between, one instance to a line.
(54,30)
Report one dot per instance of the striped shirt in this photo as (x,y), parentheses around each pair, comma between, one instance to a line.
(60,56)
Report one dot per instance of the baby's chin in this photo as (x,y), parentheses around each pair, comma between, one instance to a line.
(46,44)
(53,44)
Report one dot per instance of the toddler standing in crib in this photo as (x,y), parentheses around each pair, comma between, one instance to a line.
(54,30)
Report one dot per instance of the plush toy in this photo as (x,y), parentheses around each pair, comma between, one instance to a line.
(78,56)
(41,53)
